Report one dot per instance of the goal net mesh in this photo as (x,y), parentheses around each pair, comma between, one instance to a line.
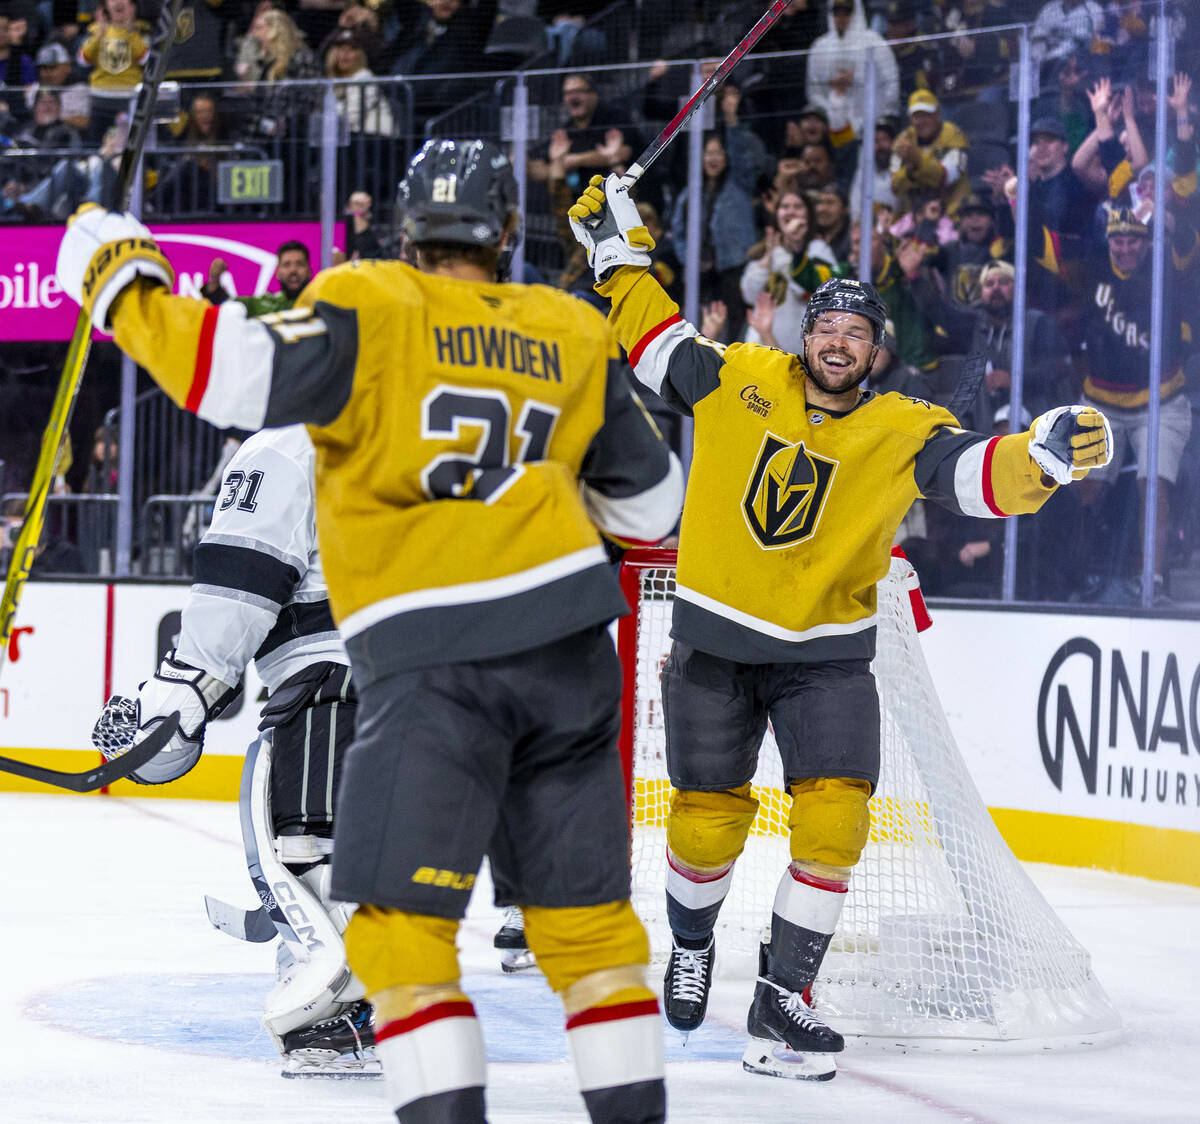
(943,935)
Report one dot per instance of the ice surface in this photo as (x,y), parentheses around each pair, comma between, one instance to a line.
(121,1004)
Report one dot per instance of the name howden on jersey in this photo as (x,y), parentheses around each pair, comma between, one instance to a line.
(476,345)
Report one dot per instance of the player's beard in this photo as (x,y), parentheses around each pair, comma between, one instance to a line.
(848,378)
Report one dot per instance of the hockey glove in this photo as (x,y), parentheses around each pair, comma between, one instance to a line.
(606,223)
(1069,441)
(176,686)
(101,253)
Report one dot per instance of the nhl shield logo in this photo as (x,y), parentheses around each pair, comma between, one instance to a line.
(786,493)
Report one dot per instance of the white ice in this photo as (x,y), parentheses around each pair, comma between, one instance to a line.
(119,1003)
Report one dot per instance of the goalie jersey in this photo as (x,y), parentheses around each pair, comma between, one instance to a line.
(470,438)
(259,590)
(792,509)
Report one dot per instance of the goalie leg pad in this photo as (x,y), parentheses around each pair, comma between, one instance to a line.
(829,820)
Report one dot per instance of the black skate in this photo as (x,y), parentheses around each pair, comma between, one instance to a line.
(787,1038)
(688,982)
(510,940)
(339,1047)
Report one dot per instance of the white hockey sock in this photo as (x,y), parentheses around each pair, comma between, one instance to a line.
(694,897)
(614,1047)
(437,1053)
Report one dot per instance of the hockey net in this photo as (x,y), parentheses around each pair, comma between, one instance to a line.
(943,935)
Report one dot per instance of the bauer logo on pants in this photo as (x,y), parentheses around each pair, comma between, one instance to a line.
(787,492)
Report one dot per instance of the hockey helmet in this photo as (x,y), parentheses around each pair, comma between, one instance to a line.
(844,294)
(460,192)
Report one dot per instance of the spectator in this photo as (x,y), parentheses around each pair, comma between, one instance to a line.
(102,466)
(789,263)
(17,67)
(54,71)
(832,215)
(958,263)
(190,180)
(197,53)
(365,21)
(817,169)
(837,65)
(115,49)
(589,142)
(918,60)
(363,104)
(272,50)
(47,129)
(882,193)
(929,154)
(1060,213)
(796,30)
(728,227)
(1105,162)
(1064,27)
(905,315)
(362,236)
(986,328)
(927,223)
(890,374)
(446,37)
(572,42)
(977,61)
(665,267)
(293,270)
(72,183)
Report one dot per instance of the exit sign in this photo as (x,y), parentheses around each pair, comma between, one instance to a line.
(250,181)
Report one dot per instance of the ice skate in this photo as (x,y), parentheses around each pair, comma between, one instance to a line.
(334,1048)
(510,939)
(687,983)
(787,1038)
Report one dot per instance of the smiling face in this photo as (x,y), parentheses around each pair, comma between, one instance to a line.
(838,351)
(579,99)
(714,158)
(1127,251)
(791,216)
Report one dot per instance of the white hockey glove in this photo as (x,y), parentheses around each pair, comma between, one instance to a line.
(101,253)
(1068,441)
(176,686)
(606,223)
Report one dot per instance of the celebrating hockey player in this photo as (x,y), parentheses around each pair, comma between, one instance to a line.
(798,484)
(471,436)
(259,592)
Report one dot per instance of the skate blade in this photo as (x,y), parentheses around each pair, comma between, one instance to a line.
(773,1059)
(348,1067)
(518,960)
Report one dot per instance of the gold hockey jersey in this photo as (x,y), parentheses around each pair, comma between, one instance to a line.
(470,438)
(791,509)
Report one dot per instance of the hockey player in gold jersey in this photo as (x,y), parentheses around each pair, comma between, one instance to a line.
(799,481)
(470,436)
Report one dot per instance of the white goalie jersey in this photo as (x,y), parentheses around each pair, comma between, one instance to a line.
(259,590)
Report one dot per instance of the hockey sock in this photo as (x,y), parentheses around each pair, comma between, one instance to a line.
(803,920)
(617,1045)
(694,899)
(434,1063)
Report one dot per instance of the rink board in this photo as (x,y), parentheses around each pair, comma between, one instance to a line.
(1082,732)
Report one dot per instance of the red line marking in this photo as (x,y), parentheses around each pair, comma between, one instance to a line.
(593,1015)
(969,1116)
(204,350)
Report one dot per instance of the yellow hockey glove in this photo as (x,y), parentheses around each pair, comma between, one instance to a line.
(101,253)
(1068,441)
(606,223)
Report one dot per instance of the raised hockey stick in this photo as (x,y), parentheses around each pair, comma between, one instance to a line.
(972,375)
(116,769)
(140,124)
(655,148)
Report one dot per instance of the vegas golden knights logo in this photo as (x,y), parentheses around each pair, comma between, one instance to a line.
(185,26)
(787,492)
(116,54)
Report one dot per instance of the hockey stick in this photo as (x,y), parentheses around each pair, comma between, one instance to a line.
(25,550)
(253,925)
(718,76)
(116,769)
(972,375)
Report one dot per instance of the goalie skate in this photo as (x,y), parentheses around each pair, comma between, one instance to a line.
(340,1047)
(510,940)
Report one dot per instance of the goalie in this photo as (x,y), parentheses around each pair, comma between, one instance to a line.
(798,484)
(259,593)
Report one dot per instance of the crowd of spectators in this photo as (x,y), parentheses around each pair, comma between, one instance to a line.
(781,183)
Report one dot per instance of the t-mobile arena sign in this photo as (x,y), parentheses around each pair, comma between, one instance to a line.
(33,307)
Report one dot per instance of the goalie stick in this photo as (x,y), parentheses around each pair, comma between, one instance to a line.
(253,925)
(140,124)
(116,769)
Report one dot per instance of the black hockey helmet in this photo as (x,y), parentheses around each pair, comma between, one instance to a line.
(844,294)
(460,192)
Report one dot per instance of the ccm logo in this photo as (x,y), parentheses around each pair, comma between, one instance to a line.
(297,918)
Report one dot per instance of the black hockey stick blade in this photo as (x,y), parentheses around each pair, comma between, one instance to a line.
(116,769)
(973,372)
(253,925)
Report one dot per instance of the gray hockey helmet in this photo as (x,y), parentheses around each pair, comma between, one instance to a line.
(844,294)
(459,192)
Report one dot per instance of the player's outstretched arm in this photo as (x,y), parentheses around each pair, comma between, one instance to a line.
(231,369)
(1067,442)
